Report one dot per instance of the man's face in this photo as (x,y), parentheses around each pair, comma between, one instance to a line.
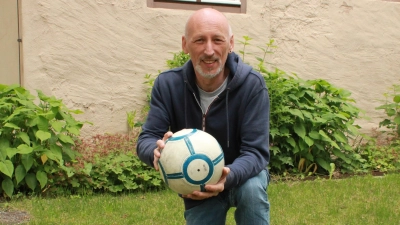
(208,44)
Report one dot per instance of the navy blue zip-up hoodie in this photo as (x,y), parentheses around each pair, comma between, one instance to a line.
(238,118)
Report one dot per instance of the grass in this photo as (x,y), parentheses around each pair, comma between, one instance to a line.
(357,200)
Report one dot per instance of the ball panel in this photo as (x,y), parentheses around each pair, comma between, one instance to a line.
(197,169)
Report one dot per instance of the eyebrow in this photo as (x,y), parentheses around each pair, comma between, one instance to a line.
(214,36)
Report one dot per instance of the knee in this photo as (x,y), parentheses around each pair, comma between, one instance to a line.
(254,189)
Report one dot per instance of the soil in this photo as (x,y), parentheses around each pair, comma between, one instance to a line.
(11,217)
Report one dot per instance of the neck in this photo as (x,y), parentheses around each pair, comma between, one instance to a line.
(211,84)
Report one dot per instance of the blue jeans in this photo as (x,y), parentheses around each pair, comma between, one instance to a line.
(250,200)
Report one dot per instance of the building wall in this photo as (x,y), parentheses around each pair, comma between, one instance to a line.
(94,54)
(9,49)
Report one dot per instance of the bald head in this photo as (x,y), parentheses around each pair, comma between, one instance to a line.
(207,16)
(208,40)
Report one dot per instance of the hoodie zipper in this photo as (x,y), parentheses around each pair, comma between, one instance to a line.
(203,122)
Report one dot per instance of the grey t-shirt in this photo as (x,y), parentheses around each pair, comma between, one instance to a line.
(207,97)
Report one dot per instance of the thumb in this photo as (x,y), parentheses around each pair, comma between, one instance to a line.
(225,172)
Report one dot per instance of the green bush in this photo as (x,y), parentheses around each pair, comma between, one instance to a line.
(391,106)
(36,141)
(108,163)
(123,172)
(311,123)
(381,151)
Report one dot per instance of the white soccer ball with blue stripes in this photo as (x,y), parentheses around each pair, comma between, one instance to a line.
(191,159)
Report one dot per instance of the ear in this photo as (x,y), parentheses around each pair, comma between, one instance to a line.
(184,49)
(231,43)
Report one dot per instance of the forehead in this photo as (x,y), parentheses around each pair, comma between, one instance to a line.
(208,25)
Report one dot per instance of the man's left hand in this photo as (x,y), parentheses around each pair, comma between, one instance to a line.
(211,189)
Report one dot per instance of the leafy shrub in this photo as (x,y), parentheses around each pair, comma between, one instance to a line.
(311,123)
(178,60)
(36,141)
(108,163)
(392,110)
(381,152)
(123,172)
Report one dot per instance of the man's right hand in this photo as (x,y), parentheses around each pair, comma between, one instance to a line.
(160,146)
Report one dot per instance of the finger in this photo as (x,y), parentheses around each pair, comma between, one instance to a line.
(160,144)
(157,155)
(157,152)
(155,163)
(225,172)
(167,135)
(197,195)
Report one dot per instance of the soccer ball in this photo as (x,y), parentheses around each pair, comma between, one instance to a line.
(191,159)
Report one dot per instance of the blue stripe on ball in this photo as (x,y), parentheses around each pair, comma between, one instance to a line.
(181,137)
(163,172)
(218,159)
(175,176)
(189,145)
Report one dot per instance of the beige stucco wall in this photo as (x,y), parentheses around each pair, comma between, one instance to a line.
(94,54)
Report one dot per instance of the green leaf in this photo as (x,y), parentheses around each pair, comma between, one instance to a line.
(66,139)
(20,173)
(397,120)
(43,123)
(339,136)
(24,136)
(24,149)
(11,125)
(8,186)
(42,178)
(88,168)
(57,125)
(27,161)
(310,157)
(300,130)
(335,145)
(7,168)
(73,130)
(291,141)
(31,181)
(324,136)
(314,135)
(340,154)
(11,152)
(4,145)
(297,113)
(308,141)
(390,112)
(396,98)
(56,152)
(323,163)
(43,135)
(341,116)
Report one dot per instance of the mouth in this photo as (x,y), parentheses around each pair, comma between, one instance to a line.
(209,62)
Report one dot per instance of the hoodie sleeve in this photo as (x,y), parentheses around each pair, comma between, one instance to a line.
(254,150)
(155,127)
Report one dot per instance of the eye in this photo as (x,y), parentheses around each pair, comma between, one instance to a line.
(219,40)
(199,40)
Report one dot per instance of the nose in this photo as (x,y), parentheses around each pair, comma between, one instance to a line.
(209,48)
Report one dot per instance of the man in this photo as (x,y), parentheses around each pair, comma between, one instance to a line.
(219,94)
